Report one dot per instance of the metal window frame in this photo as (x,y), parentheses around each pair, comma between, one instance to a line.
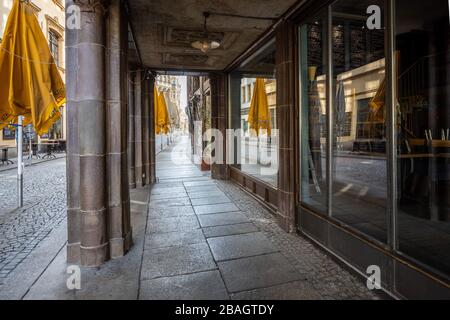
(391,139)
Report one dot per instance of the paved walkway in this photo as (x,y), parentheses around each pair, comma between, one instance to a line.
(207,239)
(194,238)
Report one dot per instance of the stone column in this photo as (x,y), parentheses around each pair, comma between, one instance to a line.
(73,156)
(146,130)
(285,76)
(218,83)
(91,129)
(119,230)
(131,139)
(138,128)
(151,116)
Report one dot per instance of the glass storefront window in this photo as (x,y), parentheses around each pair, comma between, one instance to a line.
(313,61)
(423,130)
(256,151)
(359,161)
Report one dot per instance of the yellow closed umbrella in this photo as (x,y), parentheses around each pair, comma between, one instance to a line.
(30,83)
(259,114)
(376,104)
(161,114)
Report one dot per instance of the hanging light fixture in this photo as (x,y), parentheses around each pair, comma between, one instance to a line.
(205,45)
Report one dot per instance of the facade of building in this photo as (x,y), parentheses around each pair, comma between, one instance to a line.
(51,17)
(172,89)
(359,164)
(199,110)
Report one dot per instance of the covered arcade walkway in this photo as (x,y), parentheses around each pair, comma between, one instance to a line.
(194,238)
(207,239)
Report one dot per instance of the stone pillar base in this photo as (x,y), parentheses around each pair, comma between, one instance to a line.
(119,247)
(73,253)
(94,256)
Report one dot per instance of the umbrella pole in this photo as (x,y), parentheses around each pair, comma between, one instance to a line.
(257,149)
(30,152)
(20,162)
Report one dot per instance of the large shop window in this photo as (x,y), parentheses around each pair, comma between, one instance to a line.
(359,161)
(354,176)
(356,169)
(423,130)
(253,116)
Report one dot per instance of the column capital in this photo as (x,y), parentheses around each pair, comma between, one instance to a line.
(92,5)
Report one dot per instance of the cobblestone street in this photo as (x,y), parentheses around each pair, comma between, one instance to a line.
(21,230)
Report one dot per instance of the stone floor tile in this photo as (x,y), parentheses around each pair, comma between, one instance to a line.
(172,224)
(174,202)
(227,230)
(239,246)
(171,261)
(297,290)
(169,212)
(257,272)
(177,238)
(206,194)
(215,208)
(210,200)
(197,286)
(221,219)
(208,182)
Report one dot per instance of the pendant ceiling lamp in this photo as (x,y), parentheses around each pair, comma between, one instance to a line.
(205,44)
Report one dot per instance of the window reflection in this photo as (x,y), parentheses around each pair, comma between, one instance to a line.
(254,113)
(313,114)
(423,122)
(359,131)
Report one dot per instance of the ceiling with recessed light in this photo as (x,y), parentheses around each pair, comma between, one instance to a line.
(164,30)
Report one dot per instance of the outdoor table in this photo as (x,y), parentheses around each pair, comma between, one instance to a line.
(4,159)
(50,150)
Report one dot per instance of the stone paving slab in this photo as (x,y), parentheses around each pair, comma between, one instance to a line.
(172,261)
(198,286)
(172,224)
(210,200)
(232,229)
(168,196)
(208,182)
(203,188)
(240,246)
(168,212)
(297,290)
(257,272)
(221,219)
(168,190)
(174,202)
(206,194)
(177,238)
(215,208)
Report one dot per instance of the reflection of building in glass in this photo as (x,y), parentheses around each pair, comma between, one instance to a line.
(358,132)
(171,89)
(199,110)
